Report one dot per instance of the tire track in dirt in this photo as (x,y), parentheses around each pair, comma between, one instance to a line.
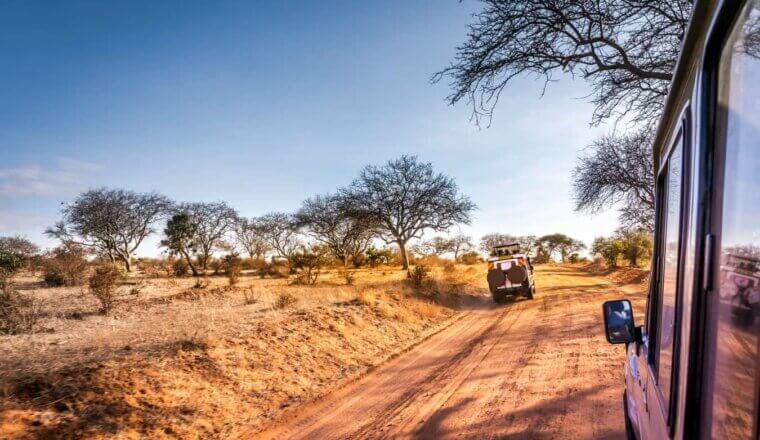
(448,384)
(531,369)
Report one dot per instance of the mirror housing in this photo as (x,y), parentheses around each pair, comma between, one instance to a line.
(619,327)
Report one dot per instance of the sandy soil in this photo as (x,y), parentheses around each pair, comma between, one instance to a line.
(529,369)
(175,361)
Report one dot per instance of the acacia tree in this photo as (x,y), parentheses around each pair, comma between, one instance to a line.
(251,235)
(618,169)
(345,236)
(179,238)
(114,221)
(560,243)
(636,245)
(625,50)
(211,222)
(438,245)
(405,197)
(281,231)
(460,244)
(527,243)
(488,241)
(18,245)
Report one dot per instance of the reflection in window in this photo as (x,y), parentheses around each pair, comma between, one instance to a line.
(738,290)
(668,287)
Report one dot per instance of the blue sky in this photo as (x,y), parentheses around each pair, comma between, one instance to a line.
(263,104)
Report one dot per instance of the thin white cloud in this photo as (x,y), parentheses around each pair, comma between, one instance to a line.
(39,181)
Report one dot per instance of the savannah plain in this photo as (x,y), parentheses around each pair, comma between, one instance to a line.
(383,356)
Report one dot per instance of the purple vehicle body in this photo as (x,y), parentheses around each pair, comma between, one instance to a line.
(692,370)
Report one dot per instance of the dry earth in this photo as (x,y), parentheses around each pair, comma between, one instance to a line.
(175,361)
(530,369)
(179,362)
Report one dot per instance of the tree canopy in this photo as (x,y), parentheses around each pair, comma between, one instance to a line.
(625,50)
(325,220)
(113,221)
(618,169)
(406,197)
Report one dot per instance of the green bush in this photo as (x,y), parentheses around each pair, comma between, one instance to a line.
(637,245)
(307,264)
(419,276)
(609,248)
(376,256)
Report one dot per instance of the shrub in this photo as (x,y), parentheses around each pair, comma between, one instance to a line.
(366,297)
(18,313)
(419,276)
(430,260)
(609,248)
(449,266)
(308,265)
(103,285)
(347,275)
(65,266)
(10,264)
(470,258)
(216,265)
(232,267)
(152,268)
(285,300)
(376,256)
(637,245)
(180,268)
(251,296)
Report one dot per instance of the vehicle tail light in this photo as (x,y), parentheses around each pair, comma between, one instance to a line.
(491,265)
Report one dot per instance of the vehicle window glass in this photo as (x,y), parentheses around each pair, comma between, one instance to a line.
(738,285)
(668,282)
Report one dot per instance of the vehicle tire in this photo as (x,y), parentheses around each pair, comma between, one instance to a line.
(630,434)
(517,274)
(496,278)
(499,298)
(529,294)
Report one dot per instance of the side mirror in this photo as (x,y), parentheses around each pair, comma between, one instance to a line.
(618,321)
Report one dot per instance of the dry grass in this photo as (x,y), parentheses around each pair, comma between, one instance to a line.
(178,359)
(366,297)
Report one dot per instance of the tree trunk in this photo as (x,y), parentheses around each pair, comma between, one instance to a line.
(190,263)
(404,257)
(128,262)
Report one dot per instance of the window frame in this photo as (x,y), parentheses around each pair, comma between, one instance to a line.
(679,134)
(712,138)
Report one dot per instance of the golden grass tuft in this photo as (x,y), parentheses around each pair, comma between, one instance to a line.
(366,297)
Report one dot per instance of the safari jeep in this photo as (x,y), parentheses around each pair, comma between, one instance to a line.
(509,273)
(692,368)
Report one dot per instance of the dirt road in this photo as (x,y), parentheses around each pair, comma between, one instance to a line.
(529,369)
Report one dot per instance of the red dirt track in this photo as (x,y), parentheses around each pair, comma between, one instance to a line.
(528,369)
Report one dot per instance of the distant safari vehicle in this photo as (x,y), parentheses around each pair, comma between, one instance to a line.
(509,273)
(692,369)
